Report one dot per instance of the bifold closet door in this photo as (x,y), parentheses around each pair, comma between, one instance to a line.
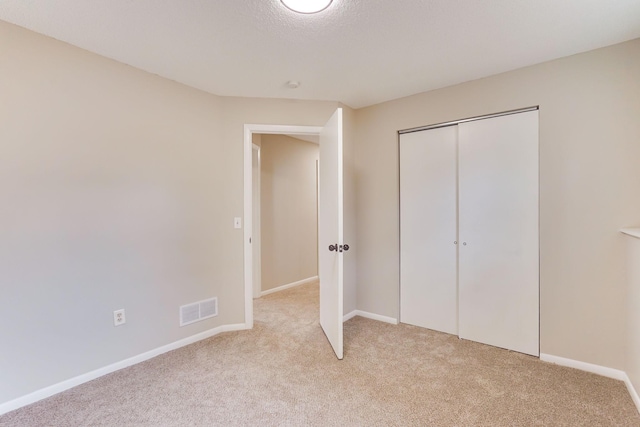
(498,229)
(428,180)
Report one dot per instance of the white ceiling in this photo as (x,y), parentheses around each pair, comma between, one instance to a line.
(359,52)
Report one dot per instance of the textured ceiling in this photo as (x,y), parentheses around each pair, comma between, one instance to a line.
(359,52)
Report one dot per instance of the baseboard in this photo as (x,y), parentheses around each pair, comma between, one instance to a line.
(371,316)
(289,285)
(595,369)
(584,366)
(632,391)
(81,379)
(350,315)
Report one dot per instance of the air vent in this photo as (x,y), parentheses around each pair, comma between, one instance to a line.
(189,314)
(197,311)
(208,308)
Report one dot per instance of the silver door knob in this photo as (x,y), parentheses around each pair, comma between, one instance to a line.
(464,243)
(455,242)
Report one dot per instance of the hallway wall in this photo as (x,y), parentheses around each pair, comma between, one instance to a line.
(289,220)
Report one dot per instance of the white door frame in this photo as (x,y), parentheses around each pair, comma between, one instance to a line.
(257,238)
(249,130)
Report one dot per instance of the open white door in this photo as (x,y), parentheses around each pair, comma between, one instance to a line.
(330,230)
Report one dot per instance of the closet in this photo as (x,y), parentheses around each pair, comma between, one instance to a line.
(469,257)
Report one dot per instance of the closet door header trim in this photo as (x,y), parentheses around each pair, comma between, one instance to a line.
(470,119)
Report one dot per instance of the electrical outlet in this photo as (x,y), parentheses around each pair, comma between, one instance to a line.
(118,317)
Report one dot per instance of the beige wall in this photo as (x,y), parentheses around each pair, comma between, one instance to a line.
(289,210)
(118,190)
(106,176)
(589,180)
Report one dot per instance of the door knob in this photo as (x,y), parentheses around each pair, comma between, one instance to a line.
(333,247)
(344,248)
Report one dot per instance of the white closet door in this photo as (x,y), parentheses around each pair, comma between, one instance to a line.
(428,180)
(498,229)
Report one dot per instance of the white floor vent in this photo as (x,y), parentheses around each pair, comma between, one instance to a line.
(197,311)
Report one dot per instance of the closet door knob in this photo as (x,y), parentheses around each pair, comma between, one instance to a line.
(464,243)
(333,247)
(455,242)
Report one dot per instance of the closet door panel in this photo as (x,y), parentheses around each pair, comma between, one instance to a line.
(498,229)
(428,225)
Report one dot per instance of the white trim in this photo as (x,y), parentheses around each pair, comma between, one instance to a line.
(350,316)
(284,129)
(595,369)
(249,130)
(584,366)
(81,379)
(371,316)
(632,391)
(290,285)
(248,224)
(256,230)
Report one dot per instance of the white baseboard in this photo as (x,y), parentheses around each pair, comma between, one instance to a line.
(350,315)
(595,369)
(584,366)
(368,315)
(632,391)
(289,285)
(80,379)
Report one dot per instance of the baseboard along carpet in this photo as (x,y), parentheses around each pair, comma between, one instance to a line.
(283,372)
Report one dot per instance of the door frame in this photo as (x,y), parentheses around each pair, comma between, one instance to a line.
(256,234)
(249,130)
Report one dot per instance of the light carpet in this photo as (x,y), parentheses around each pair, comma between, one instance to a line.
(283,373)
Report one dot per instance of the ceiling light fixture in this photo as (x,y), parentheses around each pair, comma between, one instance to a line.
(307,6)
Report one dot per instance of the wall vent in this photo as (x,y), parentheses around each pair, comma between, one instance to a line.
(197,311)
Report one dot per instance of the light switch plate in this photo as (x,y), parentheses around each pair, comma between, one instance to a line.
(237,222)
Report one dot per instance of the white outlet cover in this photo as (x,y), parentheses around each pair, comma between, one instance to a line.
(119,317)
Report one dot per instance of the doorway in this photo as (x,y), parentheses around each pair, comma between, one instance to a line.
(249,131)
(285,212)
(330,222)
